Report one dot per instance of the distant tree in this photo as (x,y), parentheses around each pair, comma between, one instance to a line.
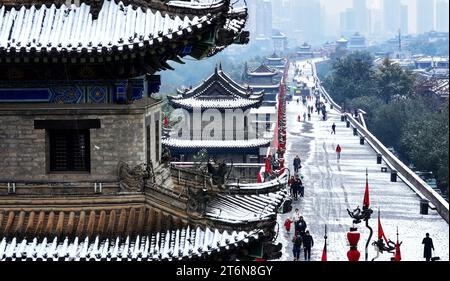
(352,76)
(423,46)
(393,81)
(425,141)
(369,104)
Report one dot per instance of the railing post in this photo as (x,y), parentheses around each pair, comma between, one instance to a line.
(393,176)
(379,158)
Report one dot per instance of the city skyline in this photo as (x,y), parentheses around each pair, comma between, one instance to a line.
(369,17)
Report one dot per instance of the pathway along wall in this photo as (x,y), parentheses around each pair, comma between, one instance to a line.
(417,183)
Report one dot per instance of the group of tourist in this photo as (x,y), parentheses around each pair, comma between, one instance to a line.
(296,186)
(301,238)
(321,108)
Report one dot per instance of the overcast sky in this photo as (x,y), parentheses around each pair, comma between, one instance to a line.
(334,7)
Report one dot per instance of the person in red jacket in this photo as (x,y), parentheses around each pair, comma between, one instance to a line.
(338,152)
(287,224)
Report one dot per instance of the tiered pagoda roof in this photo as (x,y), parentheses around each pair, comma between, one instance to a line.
(219,91)
(279,35)
(276,61)
(261,78)
(305,47)
(262,70)
(274,57)
(48,35)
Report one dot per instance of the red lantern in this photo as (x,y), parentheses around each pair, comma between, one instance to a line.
(353,238)
(353,255)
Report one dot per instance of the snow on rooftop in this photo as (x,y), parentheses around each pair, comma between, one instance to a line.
(181,143)
(72,28)
(240,209)
(170,245)
(197,4)
(216,103)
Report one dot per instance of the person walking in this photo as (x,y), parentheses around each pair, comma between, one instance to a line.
(427,247)
(295,219)
(296,215)
(302,226)
(297,164)
(308,243)
(333,129)
(338,152)
(301,188)
(287,224)
(304,116)
(295,188)
(291,181)
(297,245)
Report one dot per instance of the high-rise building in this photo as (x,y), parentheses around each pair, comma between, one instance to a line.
(391,17)
(404,19)
(260,19)
(306,17)
(361,15)
(277,9)
(442,19)
(425,16)
(348,22)
(375,22)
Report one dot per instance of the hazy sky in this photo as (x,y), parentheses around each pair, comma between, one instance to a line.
(334,7)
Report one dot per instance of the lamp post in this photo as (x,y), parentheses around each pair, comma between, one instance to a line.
(358,216)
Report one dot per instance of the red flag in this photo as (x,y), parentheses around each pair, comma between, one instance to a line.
(259,177)
(380,230)
(366,202)
(268,169)
(398,254)
(324,252)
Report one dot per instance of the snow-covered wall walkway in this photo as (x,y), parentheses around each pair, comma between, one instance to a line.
(332,187)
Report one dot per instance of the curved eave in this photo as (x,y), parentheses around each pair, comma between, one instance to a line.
(176,104)
(215,144)
(138,45)
(197,5)
(275,59)
(256,74)
(172,9)
(263,87)
(224,81)
(35,49)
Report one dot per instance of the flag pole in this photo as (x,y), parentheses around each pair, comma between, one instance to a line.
(367,208)
(324,252)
